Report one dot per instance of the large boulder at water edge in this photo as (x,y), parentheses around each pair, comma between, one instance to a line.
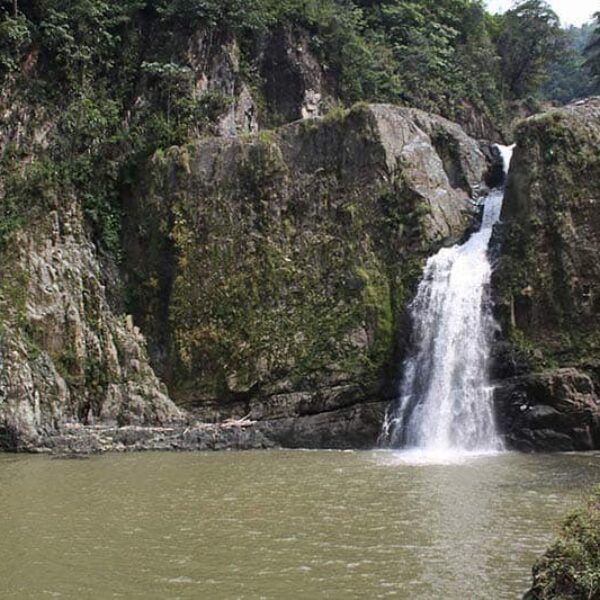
(547,284)
(267,276)
(292,255)
(553,410)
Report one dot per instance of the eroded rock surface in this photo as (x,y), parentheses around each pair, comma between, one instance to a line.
(556,410)
(547,281)
(269,274)
(279,284)
(64,356)
(296,84)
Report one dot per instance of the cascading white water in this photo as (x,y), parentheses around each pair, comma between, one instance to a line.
(446,402)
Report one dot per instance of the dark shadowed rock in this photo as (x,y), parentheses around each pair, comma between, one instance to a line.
(554,411)
(495,176)
(296,85)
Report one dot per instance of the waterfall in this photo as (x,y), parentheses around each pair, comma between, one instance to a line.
(445,402)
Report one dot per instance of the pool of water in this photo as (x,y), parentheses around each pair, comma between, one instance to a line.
(281,524)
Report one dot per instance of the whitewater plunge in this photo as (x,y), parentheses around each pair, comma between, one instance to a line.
(445,404)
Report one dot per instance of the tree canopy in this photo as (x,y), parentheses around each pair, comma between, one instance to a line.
(530,40)
(117,75)
(568,78)
(592,52)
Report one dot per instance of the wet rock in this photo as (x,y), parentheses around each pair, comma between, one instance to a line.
(355,427)
(495,176)
(552,411)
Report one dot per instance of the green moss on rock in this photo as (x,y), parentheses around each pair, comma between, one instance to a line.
(294,252)
(547,280)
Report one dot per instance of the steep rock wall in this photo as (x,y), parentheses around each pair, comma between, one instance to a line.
(270,273)
(547,282)
(65,357)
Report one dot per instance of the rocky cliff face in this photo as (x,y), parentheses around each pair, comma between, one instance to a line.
(266,272)
(269,274)
(296,84)
(65,357)
(547,282)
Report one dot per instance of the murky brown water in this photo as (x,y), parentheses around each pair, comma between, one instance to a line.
(280,525)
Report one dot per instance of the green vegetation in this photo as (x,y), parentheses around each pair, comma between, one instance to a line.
(75,68)
(570,569)
(530,39)
(545,278)
(568,78)
(592,52)
(272,294)
(129,64)
(94,90)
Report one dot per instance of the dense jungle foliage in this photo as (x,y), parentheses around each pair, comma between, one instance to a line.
(568,78)
(114,78)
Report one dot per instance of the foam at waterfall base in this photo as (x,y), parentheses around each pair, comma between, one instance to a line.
(432,457)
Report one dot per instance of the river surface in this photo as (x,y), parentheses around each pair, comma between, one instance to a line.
(280,524)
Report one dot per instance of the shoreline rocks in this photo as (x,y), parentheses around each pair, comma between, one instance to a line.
(75,440)
(551,411)
(353,427)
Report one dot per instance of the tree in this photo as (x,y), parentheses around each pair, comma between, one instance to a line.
(592,53)
(15,36)
(530,40)
(568,79)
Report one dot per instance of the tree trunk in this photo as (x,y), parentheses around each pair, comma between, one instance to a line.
(16,8)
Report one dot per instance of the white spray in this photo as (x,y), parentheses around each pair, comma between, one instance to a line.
(446,401)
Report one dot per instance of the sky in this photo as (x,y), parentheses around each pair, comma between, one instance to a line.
(571,12)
